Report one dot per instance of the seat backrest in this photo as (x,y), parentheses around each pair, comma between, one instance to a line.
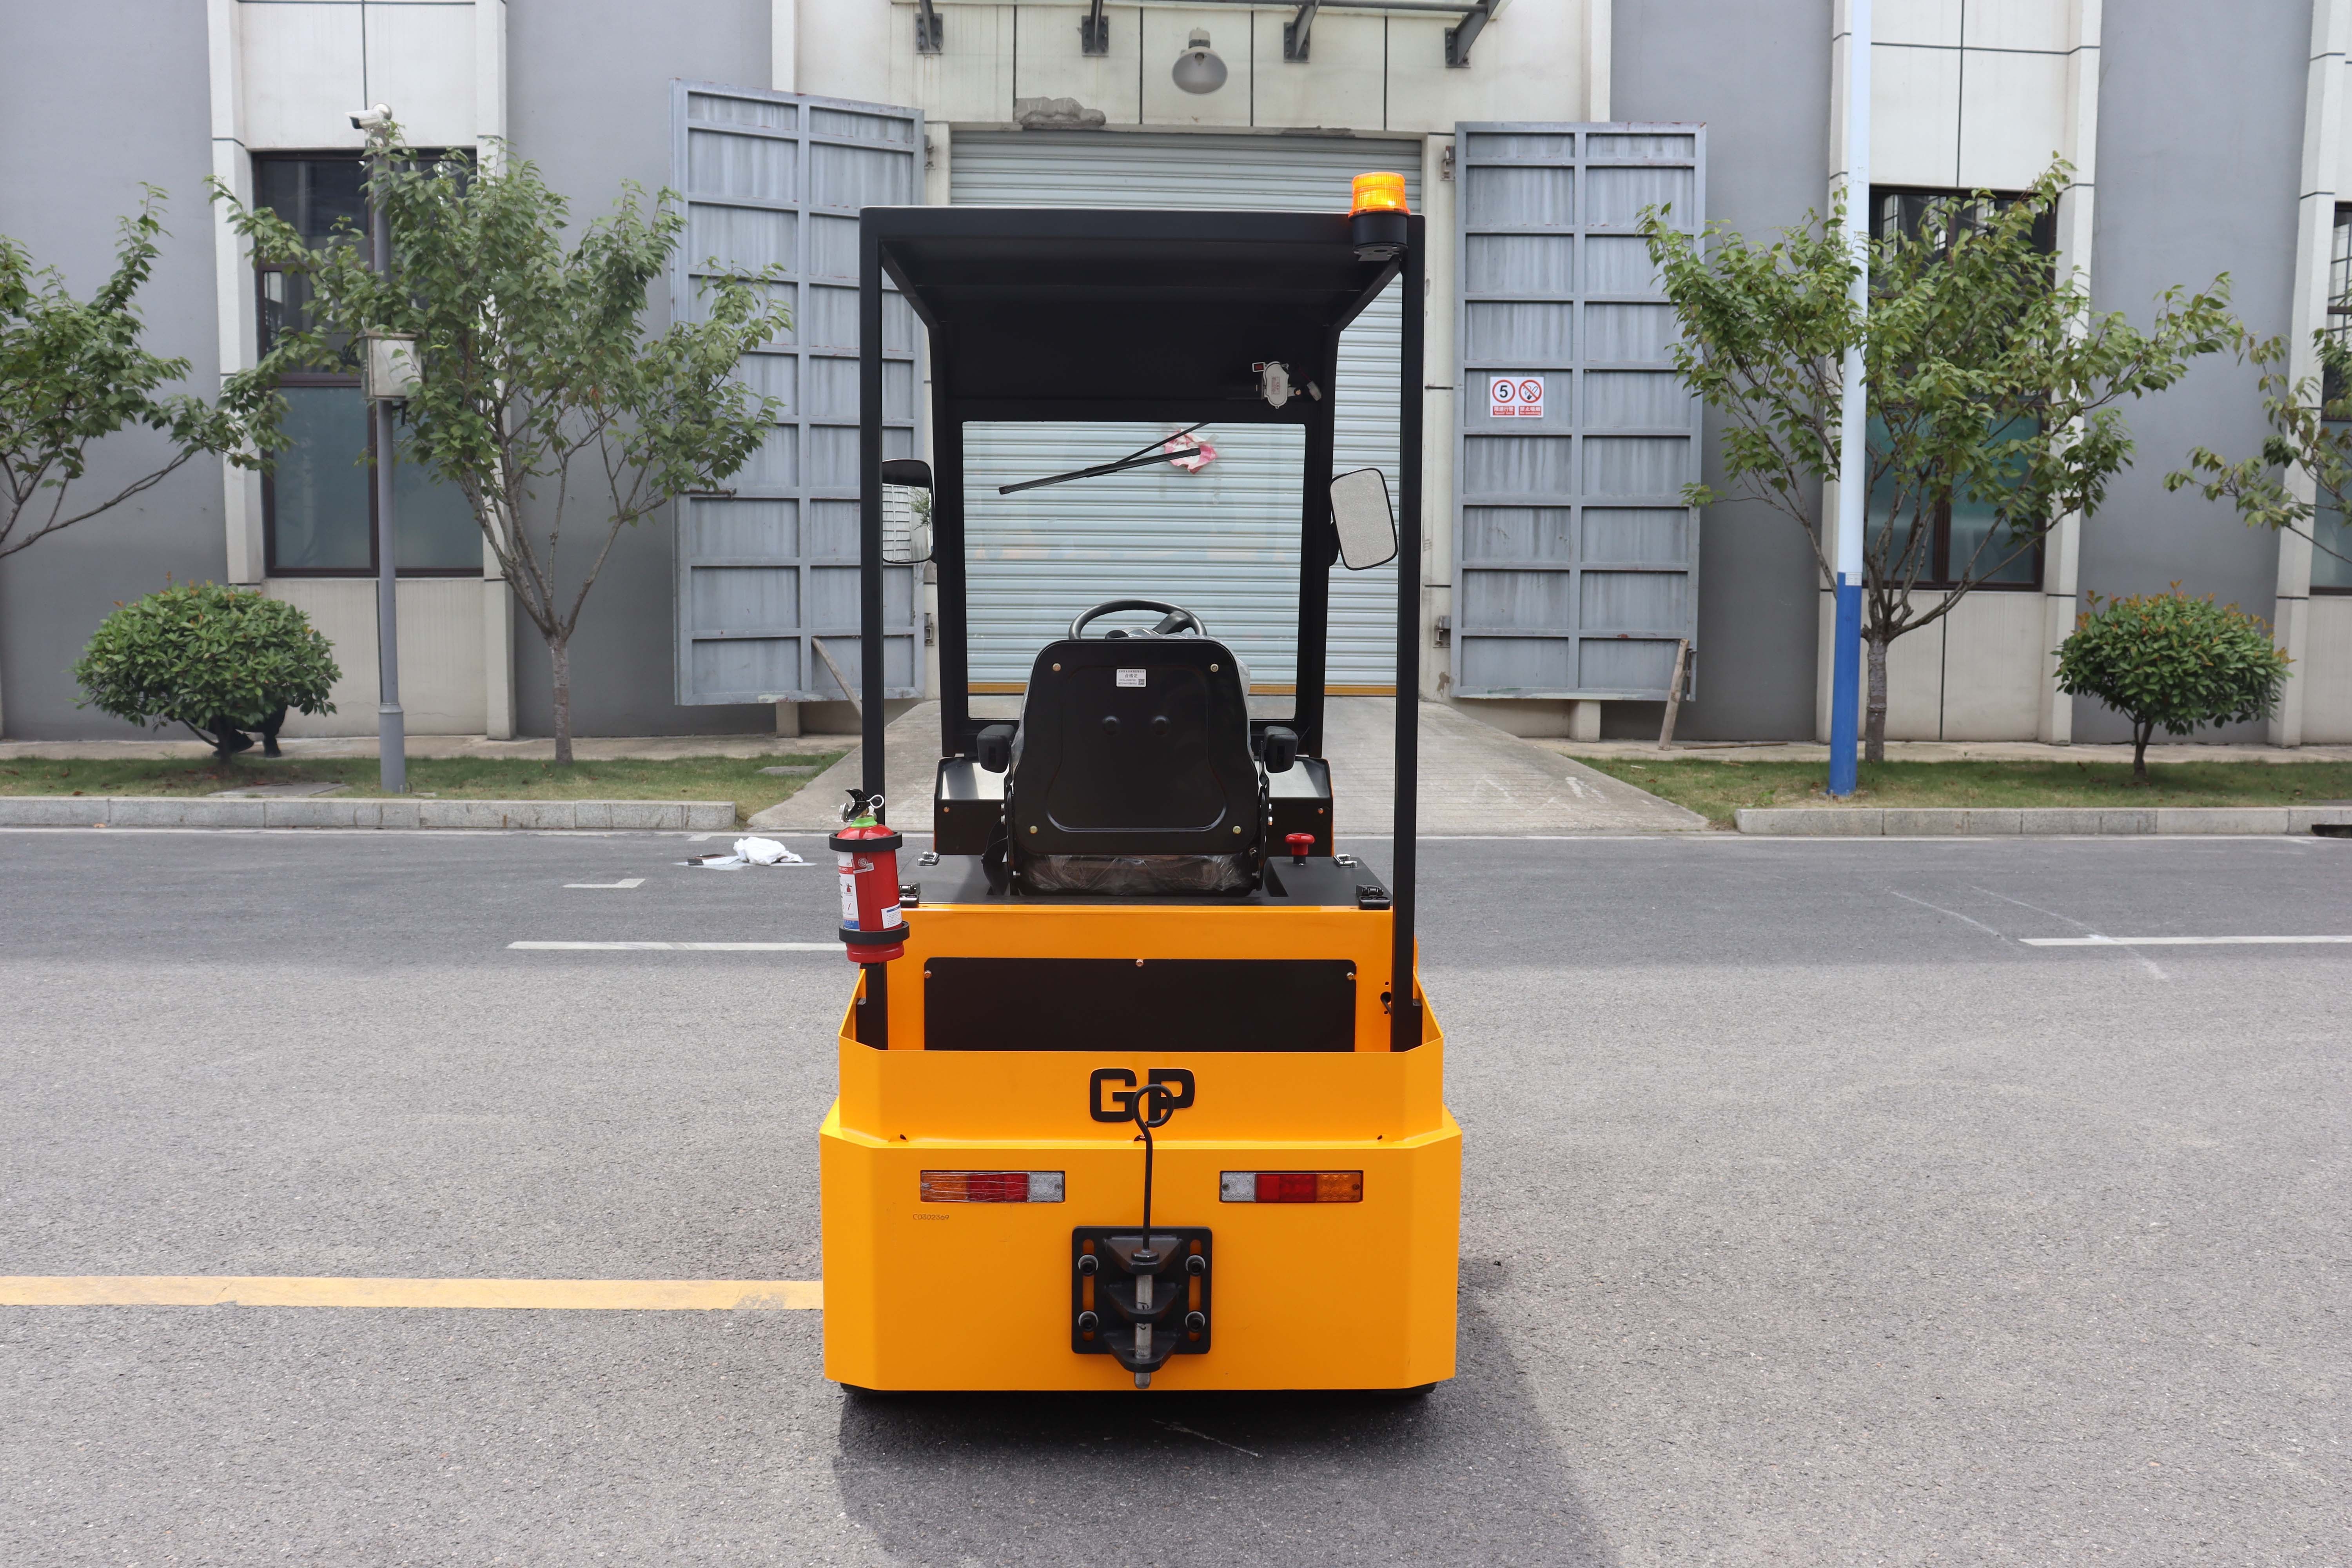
(1134,746)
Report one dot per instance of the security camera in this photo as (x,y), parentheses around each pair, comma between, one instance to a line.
(374,119)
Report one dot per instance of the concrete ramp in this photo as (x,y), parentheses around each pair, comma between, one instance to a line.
(1474,779)
(910,761)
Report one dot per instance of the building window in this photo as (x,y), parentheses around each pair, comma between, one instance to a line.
(2331,532)
(1965,540)
(1903,209)
(319,501)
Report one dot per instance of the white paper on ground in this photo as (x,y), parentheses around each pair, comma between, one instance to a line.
(748,852)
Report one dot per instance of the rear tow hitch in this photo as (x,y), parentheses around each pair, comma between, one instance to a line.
(1140,1295)
(1140,1304)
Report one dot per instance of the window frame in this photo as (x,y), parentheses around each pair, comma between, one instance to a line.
(1938,574)
(2339,326)
(325,378)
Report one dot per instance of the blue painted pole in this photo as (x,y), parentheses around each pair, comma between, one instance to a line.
(1845,689)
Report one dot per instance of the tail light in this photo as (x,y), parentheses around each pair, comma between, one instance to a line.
(1291,1186)
(991,1186)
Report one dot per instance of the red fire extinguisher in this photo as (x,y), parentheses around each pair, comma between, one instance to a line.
(871,925)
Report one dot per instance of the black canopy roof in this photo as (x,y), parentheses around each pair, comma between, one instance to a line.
(1114,313)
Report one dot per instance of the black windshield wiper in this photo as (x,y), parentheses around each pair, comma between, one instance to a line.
(1153,451)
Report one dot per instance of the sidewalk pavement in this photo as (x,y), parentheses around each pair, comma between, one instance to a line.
(1474,780)
(606,748)
(541,748)
(1948,752)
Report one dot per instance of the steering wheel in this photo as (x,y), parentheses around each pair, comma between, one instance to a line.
(1173,618)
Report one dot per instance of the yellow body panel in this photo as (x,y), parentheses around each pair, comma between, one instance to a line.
(977,1296)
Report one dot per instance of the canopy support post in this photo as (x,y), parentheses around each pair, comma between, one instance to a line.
(1404,1008)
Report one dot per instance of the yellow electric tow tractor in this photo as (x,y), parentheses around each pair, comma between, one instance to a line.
(1138,1087)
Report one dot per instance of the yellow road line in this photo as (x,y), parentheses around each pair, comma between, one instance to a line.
(564,1295)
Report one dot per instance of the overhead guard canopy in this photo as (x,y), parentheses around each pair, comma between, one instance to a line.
(1088,313)
(1115,314)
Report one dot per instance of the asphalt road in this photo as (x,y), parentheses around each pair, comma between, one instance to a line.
(1810,1217)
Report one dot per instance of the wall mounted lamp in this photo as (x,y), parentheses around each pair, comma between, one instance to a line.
(1198,68)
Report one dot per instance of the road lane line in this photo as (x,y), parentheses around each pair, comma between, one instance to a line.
(2178,940)
(1942,911)
(2155,971)
(677,946)
(261,1290)
(623,882)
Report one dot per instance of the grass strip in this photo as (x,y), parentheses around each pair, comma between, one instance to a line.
(447,778)
(1717,788)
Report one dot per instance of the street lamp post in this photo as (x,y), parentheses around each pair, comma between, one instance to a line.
(1853,426)
(389,372)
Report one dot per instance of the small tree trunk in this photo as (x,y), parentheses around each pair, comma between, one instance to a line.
(1874,733)
(228,739)
(558,653)
(2140,735)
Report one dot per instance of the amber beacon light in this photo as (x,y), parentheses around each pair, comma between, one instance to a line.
(1377,217)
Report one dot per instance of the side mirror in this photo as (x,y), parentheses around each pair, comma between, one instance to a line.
(905,512)
(1361,515)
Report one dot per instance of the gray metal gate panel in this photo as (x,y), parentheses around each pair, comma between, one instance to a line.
(775,180)
(1576,560)
(1225,542)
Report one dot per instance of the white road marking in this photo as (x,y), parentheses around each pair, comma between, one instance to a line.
(1942,911)
(1220,1442)
(676,946)
(2154,970)
(623,882)
(2177,941)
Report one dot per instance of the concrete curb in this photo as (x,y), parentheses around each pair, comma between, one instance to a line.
(166,810)
(1953,822)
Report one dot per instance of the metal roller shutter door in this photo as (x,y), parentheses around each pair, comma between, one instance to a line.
(1224,541)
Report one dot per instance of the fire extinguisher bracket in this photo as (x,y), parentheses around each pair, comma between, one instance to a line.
(856,937)
(873,927)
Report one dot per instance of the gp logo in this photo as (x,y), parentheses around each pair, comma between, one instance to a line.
(1112,1092)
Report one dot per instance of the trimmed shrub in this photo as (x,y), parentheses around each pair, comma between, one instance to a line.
(2167,660)
(217,660)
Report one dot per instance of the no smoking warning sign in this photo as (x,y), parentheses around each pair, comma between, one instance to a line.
(1515,397)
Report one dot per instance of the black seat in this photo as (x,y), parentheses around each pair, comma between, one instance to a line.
(1133,771)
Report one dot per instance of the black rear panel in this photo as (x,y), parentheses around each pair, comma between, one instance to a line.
(1130,1005)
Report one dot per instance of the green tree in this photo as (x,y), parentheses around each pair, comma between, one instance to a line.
(219,660)
(73,372)
(2167,660)
(544,394)
(1992,385)
(2310,430)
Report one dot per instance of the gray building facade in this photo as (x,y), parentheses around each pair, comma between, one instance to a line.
(2206,140)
